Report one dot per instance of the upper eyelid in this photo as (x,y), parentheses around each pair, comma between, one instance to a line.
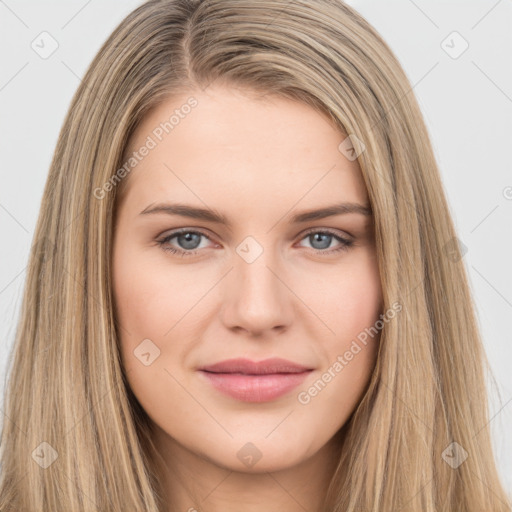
(325,230)
(177,232)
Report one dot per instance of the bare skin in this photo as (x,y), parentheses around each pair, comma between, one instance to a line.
(285,292)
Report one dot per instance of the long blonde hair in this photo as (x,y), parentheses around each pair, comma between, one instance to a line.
(75,439)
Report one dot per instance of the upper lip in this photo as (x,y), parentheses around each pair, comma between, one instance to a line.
(248,367)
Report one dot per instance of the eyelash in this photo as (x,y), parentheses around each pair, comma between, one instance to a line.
(163,243)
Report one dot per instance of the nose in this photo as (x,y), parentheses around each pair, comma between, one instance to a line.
(256,300)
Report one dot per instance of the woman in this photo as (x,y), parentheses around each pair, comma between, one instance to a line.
(245,291)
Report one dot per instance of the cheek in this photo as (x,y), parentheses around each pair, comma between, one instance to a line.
(149,303)
(151,296)
(146,308)
(350,305)
(349,299)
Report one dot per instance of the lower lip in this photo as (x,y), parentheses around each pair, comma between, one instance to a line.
(255,388)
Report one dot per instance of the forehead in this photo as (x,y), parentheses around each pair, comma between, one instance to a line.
(231,145)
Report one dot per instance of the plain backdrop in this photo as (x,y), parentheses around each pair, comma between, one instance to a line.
(457,55)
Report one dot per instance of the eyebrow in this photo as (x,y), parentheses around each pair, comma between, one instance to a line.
(208,214)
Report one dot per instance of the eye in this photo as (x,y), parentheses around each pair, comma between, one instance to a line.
(188,242)
(322,239)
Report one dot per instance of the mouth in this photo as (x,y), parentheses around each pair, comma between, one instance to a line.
(250,381)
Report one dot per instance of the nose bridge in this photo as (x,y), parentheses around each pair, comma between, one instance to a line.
(256,300)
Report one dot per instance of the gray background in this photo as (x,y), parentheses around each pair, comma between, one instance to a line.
(466,98)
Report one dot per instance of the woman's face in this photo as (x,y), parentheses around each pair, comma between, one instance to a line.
(220,256)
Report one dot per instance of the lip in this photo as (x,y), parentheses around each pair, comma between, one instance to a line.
(252,381)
